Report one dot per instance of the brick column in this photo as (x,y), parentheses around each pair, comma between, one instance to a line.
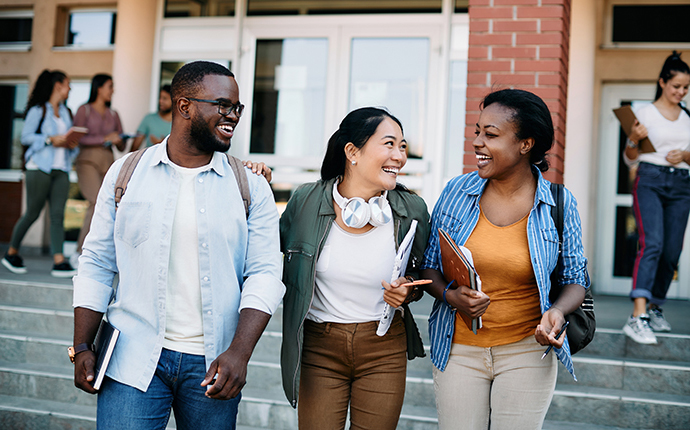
(519,44)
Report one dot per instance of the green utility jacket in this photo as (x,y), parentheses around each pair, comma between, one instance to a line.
(304,227)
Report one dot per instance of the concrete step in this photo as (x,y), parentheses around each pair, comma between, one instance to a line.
(620,408)
(628,374)
(562,425)
(33,294)
(20,347)
(613,343)
(42,321)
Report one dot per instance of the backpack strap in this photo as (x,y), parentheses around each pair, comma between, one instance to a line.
(557,215)
(43,117)
(242,182)
(125,174)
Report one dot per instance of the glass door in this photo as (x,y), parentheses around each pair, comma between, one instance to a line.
(616,230)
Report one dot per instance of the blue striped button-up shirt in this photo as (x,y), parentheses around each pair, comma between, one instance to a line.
(457,212)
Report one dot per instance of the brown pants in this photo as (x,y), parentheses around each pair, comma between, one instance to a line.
(348,364)
(91,165)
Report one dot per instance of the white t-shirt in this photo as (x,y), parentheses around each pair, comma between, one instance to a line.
(184,330)
(349,272)
(665,135)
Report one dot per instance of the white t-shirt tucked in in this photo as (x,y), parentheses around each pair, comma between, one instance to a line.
(349,272)
(665,135)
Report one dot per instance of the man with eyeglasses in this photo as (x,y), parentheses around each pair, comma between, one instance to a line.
(198,277)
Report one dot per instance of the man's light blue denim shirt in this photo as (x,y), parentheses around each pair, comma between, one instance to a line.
(457,212)
(239,258)
(37,150)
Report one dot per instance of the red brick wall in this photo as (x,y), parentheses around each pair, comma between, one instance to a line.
(519,44)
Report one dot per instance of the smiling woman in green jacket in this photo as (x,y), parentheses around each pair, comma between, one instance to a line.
(340,236)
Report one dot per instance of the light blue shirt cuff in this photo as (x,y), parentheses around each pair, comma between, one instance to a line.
(262,292)
(91,294)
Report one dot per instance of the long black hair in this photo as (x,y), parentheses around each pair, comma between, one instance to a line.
(532,119)
(672,66)
(96,82)
(357,127)
(44,86)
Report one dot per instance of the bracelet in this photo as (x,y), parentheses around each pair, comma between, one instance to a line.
(445,290)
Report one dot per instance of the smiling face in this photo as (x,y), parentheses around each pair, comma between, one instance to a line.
(676,88)
(210,131)
(497,148)
(378,162)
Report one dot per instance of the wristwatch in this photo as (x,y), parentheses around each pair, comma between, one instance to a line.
(631,144)
(73,351)
(48,142)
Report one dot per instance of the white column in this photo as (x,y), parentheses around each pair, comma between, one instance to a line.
(580,134)
(132,67)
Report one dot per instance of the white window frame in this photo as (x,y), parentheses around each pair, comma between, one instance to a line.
(70,11)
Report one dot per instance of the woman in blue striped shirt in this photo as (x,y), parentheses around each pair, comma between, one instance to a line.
(502,214)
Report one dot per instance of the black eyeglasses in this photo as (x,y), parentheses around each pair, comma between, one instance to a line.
(223,107)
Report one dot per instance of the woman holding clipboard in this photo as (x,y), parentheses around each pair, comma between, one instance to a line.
(502,214)
(340,236)
(661,198)
(49,156)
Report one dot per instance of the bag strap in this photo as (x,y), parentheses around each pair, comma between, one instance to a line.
(125,174)
(131,162)
(43,117)
(557,215)
(242,182)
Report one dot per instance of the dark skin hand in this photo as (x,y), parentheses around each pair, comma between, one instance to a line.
(464,299)
(229,370)
(86,324)
(551,322)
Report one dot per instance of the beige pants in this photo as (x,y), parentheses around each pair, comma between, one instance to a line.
(505,387)
(91,165)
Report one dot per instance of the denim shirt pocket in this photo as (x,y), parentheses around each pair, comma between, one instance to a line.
(449,223)
(551,248)
(133,222)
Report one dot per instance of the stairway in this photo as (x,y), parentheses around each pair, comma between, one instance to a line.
(621,385)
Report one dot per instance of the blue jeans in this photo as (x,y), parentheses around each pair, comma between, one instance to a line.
(176,386)
(661,204)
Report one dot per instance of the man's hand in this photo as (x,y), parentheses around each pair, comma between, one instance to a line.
(472,302)
(84,371)
(226,377)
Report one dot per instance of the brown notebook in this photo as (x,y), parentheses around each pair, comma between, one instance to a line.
(627,118)
(457,267)
(76,133)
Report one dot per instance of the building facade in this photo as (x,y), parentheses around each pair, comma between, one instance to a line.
(303,64)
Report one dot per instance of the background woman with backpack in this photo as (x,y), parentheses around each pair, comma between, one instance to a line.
(49,156)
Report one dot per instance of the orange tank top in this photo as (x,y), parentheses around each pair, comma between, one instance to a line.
(502,259)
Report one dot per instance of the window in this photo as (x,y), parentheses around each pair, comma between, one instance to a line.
(15,29)
(455,136)
(651,23)
(196,8)
(86,28)
(462,6)
(13,97)
(289,97)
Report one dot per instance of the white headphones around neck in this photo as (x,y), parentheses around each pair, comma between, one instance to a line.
(357,213)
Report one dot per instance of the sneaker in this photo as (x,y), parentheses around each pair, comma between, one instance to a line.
(657,321)
(638,329)
(63,270)
(14,264)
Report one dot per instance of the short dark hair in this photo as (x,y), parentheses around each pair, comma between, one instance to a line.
(357,127)
(672,66)
(187,80)
(532,119)
(96,82)
(43,88)
(166,88)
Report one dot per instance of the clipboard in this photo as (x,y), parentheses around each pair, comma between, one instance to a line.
(627,118)
(458,266)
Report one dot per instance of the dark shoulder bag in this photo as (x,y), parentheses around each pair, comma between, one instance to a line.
(583,323)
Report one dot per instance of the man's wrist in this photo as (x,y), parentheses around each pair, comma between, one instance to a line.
(78,349)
